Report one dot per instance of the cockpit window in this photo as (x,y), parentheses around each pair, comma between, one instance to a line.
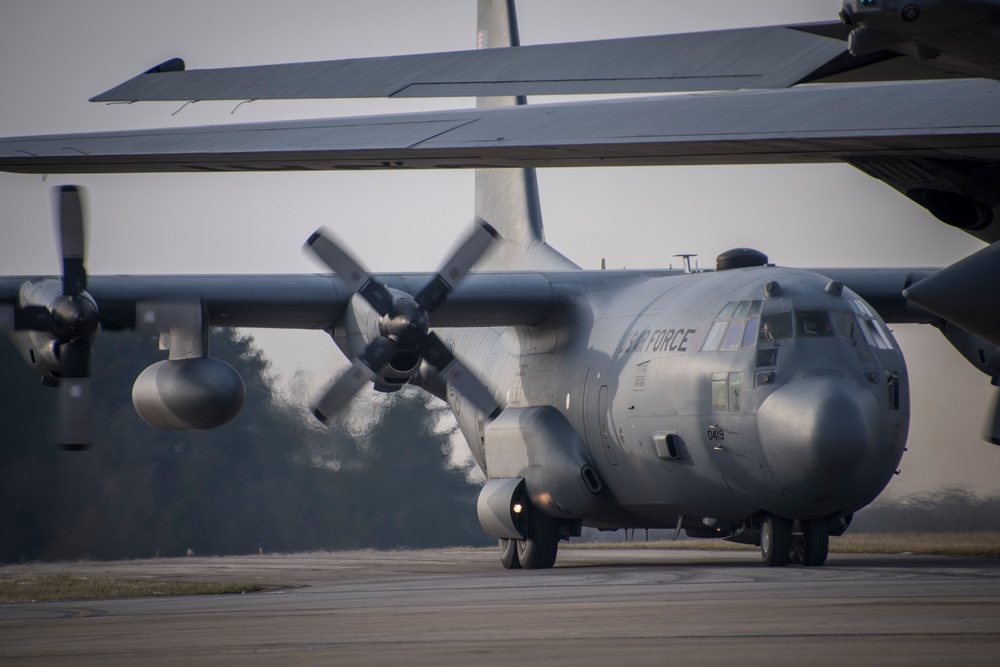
(742,310)
(845,325)
(727,310)
(813,323)
(714,337)
(775,326)
(734,336)
(750,333)
(735,327)
(873,332)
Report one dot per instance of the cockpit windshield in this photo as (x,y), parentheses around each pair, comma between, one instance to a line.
(740,324)
(813,322)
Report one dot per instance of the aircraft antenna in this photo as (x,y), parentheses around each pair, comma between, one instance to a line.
(686,257)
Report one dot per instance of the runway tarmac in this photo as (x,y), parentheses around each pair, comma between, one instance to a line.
(458,606)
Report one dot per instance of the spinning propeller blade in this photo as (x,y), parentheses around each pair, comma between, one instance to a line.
(404,322)
(72,239)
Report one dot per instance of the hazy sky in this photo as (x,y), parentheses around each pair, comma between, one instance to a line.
(56,54)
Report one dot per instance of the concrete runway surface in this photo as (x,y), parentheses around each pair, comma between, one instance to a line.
(458,606)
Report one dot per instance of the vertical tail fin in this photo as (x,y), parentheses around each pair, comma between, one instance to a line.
(508,198)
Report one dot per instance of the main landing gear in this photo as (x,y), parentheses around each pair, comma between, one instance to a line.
(781,545)
(538,550)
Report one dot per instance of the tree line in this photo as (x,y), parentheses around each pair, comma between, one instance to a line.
(271,477)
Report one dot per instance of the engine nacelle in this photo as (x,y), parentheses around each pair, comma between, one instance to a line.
(983,355)
(69,318)
(185,394)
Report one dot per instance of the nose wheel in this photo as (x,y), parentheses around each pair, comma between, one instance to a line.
(781,545)
(813,545)
(776,541)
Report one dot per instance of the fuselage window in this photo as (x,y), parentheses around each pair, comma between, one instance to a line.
(715,335)
(813,323)
(720,392)
(734,392)
(775,326)
(726,392)
(767,356)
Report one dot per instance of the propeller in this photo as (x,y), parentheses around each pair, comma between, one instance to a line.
(71,318)
(404,323)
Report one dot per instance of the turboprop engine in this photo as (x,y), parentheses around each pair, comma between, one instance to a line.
(181,394)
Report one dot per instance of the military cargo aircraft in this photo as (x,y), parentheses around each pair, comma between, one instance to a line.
(753,403)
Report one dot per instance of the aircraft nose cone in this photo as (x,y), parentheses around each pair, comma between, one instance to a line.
(815,432)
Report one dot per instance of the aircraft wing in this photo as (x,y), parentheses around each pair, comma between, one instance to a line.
(744,58)
(767,57)
(317,301)
(883,289)
(483,299)
(937,142)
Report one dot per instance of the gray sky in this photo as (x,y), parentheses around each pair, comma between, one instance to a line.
(56,54)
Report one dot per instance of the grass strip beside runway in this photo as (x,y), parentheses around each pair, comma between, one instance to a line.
(72,587)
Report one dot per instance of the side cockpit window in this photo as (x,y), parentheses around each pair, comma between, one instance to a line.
(775,326)
(735,326)
(871,329)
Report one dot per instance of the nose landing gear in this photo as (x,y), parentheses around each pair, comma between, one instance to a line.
(781,545)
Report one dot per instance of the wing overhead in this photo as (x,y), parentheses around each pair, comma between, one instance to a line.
(318,301)
(769,57)
(937,142)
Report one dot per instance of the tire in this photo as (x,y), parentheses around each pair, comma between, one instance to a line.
(508,554)
(816,545)
(775,541)
(538,551)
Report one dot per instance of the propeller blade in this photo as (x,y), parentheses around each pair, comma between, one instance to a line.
(343,389)
(74,424)
(333,253)
(72,237)
(451,368)
(378,353)
(468,252)
(75,359)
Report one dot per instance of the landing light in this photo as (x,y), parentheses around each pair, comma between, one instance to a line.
(517,508)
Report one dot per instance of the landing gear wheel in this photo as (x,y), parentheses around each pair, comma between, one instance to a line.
(775,541)
(538,551)
(816,542)
(798,547)
(508,554)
